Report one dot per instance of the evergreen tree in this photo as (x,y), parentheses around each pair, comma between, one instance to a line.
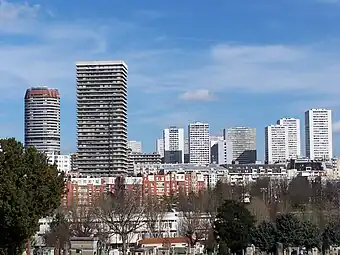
(233,225)
(30,189)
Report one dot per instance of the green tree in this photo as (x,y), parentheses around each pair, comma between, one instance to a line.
(331,235)
(223,249)
(30,189)
(264,237)
(289,230)
(233,225)
(311,235)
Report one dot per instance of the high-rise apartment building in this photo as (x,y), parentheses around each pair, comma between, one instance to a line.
(222,152)
(160,147)
(42,120)
(318,132)
(294,140)
(173,138)
(243,141)
(199,143)
(135,146)
(276,144)
(102,117)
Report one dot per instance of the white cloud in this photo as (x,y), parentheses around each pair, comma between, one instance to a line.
(197,95)
(336,127)
(15,17)
(309,69)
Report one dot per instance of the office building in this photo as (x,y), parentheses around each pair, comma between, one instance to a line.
(160,147)
(243,141)
(294,141)
(222,152)
(42,120)
(276,144)
(215,139)
(173,138)
(199,143)
(186,151)
(102,117)
(318,132)
(135,146)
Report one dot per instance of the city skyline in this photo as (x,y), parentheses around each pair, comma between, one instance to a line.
(254,78)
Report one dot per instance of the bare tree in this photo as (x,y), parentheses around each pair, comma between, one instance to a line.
(58,235)
(259,209)
(83,221)
(155,211)
(194,223)
(122,212)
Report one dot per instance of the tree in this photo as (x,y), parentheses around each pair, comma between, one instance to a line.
(331,235)
(30,189)
(260,189)
(311,235)
(194,223)
(259,209)
(299,192)
(122,212)
(58,235)
(264,237)
(289,230)
(233,225)
(155,210)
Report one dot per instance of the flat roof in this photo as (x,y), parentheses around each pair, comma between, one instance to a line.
(101,62)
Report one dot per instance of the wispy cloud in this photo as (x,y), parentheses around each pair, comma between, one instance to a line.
(197,95)
(16,17)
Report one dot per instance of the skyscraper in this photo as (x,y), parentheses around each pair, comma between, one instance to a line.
(42,120)
(243,141)
(173,138)
(102,117)
(135,146)
(318,132)
(160,147)
(294,141)
(199,143)
(276,144)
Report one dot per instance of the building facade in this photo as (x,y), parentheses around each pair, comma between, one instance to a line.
(199,143)
(243,141)
(135,146)
(294,140)
(318,132)
(215,139)
(173,138)
(186,150)
(222,152)
(160,147)
(276,144)
(102,117)
(42,120)
(63,162)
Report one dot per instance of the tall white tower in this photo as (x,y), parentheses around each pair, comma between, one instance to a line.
(294,137)
(42,120)
(173,138)
(319,139)
(276,144)
(199,143)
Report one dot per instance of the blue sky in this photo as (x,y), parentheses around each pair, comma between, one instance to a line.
(229,63)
